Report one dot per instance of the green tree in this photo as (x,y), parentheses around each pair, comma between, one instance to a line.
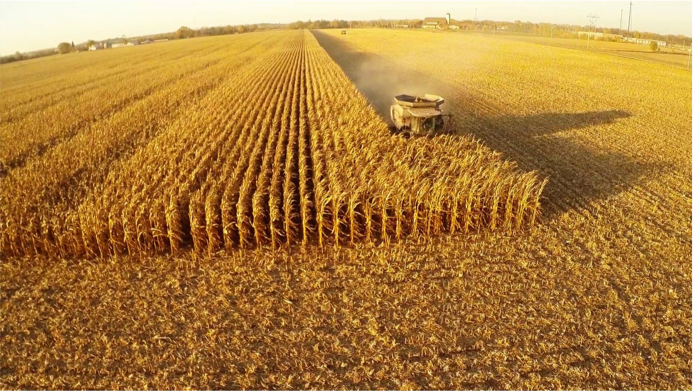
(64,48)
(18,56)
(653,46)
(185,32)
(90,43)
(297,25)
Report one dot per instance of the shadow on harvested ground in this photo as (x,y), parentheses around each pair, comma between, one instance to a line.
(578,174)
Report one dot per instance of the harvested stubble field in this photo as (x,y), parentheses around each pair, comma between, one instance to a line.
(232,212)
(673,57)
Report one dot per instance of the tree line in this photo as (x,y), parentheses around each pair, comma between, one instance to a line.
(564,30)
(320,24)
(517,27)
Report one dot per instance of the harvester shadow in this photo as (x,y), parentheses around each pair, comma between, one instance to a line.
(550,123)
(549,143)
(579,174)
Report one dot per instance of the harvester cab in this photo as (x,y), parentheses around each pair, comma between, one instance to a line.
(420,115)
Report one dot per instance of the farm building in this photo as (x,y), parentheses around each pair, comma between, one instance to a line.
(123,44)
(99,46)
(590,34)
(598,35)
(436,23)
(643,41)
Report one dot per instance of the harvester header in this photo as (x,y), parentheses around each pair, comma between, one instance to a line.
(420,114)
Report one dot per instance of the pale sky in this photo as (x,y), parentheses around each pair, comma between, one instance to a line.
(26,26)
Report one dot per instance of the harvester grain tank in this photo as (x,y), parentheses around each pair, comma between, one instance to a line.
(420,114)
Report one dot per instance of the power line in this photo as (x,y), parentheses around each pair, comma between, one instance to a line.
(592,18)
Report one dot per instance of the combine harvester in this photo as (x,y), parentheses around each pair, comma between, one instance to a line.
(420,115)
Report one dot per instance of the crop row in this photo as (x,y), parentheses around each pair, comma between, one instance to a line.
(286,151)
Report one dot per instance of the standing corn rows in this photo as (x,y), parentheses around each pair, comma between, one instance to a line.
(402,187)
(285,151)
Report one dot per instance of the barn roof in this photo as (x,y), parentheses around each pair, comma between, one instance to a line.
(429,20)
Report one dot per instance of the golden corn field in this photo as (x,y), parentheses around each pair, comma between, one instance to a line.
(284,151)
(233,212)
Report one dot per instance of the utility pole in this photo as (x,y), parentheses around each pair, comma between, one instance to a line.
(551,41)
(630,16)
(475,19)
(592,18)
(688,61)
(620,24)
(690,49)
